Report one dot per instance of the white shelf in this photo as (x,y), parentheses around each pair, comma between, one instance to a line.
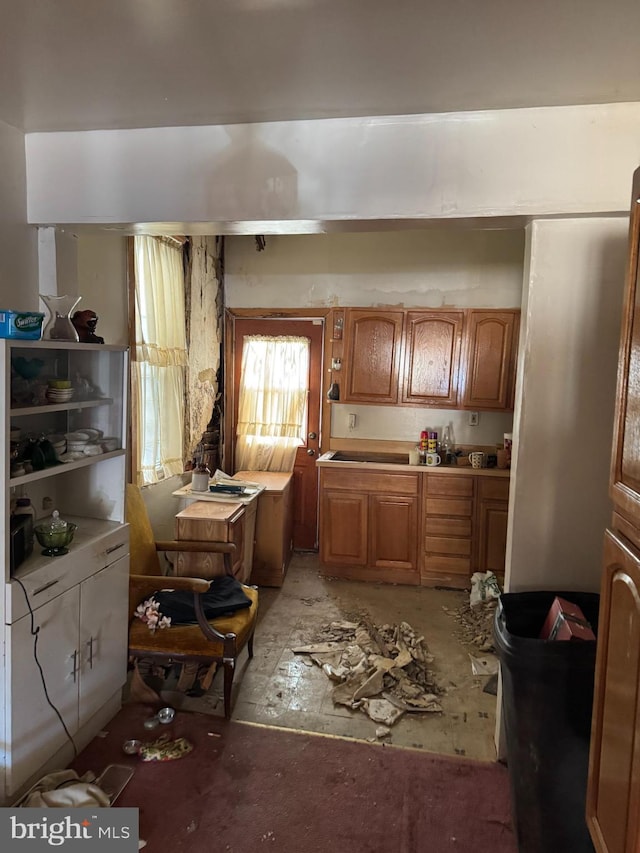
(59,407)
(54,470)
(70,346)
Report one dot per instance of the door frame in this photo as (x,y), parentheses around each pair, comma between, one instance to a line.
(233,314)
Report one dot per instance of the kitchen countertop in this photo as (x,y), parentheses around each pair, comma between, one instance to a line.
(327,461)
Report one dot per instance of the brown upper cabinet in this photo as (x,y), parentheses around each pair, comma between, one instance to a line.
(372,344)
(491,345)
(432,357)
(452,359)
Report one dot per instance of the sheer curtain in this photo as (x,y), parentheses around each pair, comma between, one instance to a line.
(272,404)
(159,359)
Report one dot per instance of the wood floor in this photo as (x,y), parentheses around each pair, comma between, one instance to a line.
(280,688)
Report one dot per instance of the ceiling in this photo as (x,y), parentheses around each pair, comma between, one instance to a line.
(98,64)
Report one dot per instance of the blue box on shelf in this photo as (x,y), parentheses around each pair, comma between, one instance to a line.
(24,325)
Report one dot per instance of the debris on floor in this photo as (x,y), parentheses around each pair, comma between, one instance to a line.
(475,624)
(382,670)
(485,665)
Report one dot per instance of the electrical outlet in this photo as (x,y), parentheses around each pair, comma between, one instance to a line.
(473,419)
(352,421)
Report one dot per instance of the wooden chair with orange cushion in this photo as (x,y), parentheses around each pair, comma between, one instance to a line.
(217,641)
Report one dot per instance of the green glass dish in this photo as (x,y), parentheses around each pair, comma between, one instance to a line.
(54,542)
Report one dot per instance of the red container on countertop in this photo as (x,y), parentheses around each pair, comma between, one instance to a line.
(566,621)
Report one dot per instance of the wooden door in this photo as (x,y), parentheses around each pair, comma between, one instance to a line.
(432,357)
(305,475)
(373,340)
(625,464)
(613,805)
(613,795)
(393,522)
(490,360)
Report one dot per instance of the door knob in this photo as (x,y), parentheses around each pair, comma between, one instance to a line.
(311,452)
(313,435)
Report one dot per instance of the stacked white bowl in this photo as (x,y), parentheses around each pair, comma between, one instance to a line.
(59,391)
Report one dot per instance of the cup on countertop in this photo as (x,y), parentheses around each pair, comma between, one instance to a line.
(414,457)
(477,459)
(432,459)
(502,457)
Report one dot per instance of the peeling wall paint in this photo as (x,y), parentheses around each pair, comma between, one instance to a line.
(422,269)
(204,335)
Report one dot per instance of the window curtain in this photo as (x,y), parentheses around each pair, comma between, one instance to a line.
(160,357)
(272,402)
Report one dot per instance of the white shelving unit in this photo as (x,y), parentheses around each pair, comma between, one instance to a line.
(79,600)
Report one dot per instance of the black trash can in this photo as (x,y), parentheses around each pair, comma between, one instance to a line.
(547,695)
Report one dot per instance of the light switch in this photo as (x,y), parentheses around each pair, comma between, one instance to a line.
(352,421)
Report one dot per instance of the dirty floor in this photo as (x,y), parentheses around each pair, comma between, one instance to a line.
(280,688)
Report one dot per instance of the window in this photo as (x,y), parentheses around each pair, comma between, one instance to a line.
(272,405)
(159,358)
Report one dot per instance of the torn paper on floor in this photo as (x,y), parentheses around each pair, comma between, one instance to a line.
(486,665)
(381,669)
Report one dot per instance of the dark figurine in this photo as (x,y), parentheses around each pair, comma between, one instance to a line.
(85,323)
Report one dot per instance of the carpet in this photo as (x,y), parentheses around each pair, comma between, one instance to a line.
(263,788)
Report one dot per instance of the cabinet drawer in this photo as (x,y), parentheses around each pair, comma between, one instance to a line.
(438,525)
(491,488)
(53,576)
(449,506)
(447,545)
(448,565)
(450,484)
(371,481)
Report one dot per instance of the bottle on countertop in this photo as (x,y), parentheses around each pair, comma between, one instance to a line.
(200,478)
(446,445)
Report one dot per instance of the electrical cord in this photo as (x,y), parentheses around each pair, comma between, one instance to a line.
(35,631)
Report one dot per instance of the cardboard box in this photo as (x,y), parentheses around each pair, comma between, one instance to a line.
(566,621)
(24,325)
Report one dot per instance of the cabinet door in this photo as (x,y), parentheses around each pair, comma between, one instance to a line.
(625,473)
(103,636)
(493,510)
(344,528)
(492,537)
(393,526)
(490,355)
(373,340)
(613,798)
(34,732)
(432,357)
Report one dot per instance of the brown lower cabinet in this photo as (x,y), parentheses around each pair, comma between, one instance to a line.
(448,530)
(422,528)
(493,508)
(368,525)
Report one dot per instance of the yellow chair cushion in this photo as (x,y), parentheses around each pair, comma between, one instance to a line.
(189,639)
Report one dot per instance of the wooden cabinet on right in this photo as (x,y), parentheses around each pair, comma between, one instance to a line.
(491,521)
(613,796)
(489,361)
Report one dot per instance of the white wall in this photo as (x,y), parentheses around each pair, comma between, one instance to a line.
(102,282)
(530,162)
(563,429)
(18,241)
(426,269)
